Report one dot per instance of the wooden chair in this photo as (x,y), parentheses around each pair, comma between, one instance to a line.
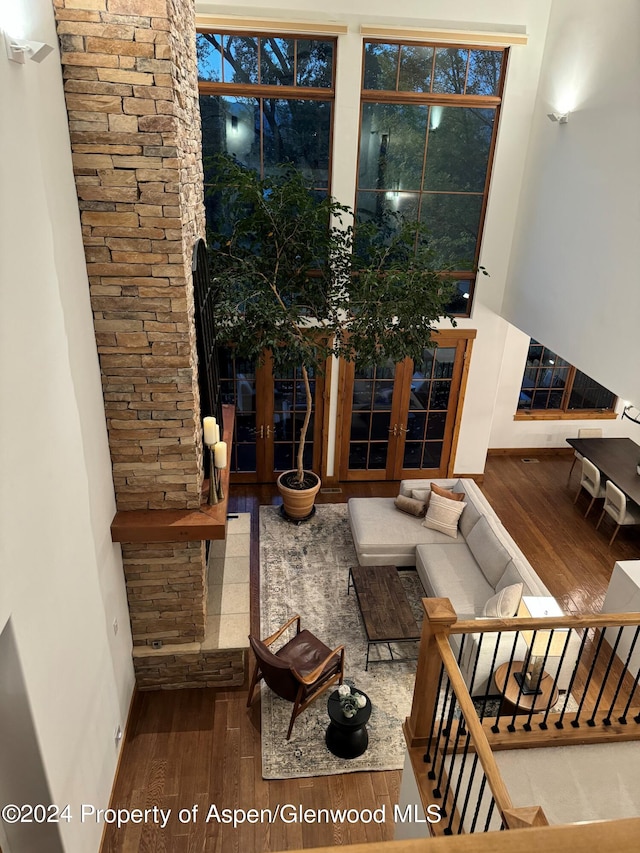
(623,512)
(299,671)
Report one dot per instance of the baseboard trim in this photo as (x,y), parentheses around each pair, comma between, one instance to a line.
(479,478)
(530,451)
(125,737)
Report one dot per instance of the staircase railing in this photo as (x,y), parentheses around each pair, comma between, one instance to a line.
(591,697)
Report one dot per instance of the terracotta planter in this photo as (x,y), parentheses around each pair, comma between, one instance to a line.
(298,502)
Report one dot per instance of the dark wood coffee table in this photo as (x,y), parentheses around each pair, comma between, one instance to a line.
(384,607)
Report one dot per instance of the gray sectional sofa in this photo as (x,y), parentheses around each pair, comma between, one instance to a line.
(468,570)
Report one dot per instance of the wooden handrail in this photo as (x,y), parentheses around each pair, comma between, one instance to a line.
(606,836)
(478,737)
(521,623)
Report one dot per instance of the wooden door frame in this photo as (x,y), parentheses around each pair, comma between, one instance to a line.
(444,338)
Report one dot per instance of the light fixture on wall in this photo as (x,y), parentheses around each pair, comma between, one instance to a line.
(631,412)
(561,118)
(18,50)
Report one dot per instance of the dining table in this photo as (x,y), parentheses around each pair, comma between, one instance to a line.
(616,459)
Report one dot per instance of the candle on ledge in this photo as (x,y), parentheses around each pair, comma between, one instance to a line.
(220,454)
(210,427)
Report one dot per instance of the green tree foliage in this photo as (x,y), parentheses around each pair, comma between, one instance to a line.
(288,280)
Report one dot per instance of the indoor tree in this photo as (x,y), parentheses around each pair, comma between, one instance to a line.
(290,279)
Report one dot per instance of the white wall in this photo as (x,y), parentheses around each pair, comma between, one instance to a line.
(61,579)
(573,278)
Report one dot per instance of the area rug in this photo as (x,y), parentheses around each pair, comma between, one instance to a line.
(304,569)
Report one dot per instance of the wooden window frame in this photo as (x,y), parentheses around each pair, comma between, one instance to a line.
(397,96)
(563,413)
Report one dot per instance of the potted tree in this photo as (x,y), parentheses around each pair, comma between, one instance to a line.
(291,280)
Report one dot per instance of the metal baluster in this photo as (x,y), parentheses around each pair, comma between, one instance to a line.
(543,724)
(495,728)
(475,665)
(432,773)
(459,732)
(465,752)
(623,718)
(527,726)
(512,725)
(465,805)
(437,791)
(576,720)
(492,805)
(607,720)
(491,669)
(427,755)
(592,720)
(483,785)
(559,724)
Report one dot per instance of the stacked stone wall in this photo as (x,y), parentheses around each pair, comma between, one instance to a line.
(130,81)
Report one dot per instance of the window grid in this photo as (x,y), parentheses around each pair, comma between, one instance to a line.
(552,384)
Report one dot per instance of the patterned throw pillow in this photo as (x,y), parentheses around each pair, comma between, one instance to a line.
(443,515)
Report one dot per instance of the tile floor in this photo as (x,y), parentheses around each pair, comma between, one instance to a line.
(228,596)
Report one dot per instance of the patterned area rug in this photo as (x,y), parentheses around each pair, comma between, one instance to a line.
(304,569)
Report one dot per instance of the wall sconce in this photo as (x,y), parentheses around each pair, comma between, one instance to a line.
(627,413)
(19,49)
(561,118)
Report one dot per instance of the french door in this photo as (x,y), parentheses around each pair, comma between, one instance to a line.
(398,420)
(269,414)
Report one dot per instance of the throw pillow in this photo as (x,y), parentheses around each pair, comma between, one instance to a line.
(446,493)
(410,506)
(443,515)
(504,604)
(421,495)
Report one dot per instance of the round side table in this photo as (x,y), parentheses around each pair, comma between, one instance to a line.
(347,737)
(513,700)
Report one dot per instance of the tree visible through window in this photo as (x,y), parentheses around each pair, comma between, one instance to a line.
(429,117)
(551,383)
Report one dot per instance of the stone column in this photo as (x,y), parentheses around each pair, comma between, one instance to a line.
(131,92)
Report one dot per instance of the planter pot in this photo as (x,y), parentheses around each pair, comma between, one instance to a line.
(298,500)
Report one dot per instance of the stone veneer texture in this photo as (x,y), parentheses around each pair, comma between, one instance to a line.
(130,80)
(132,99)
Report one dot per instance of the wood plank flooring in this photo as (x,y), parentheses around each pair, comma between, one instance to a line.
(202,747)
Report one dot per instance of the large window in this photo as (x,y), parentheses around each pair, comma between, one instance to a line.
(267,100)
(552,387)
(428,124)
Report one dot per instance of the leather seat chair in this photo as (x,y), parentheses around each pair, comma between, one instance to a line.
(299,671)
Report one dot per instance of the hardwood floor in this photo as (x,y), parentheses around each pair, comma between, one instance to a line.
(202,747)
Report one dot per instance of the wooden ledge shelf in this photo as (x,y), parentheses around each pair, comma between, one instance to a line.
(179,525)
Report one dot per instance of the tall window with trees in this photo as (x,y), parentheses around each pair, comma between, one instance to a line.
(551,387)
(428,126)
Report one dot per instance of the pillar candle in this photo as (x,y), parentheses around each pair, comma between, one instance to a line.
(210,426)
(220,454)
(216,434)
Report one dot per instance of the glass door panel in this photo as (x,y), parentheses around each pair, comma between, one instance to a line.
(238,386)
(429,397)
(289,406)
(371,408)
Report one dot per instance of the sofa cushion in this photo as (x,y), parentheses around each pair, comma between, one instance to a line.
(443,514)
(450,571)
(410,506)
(421,495)
(512,575)
(504,604)
(490,553)
(378,528)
